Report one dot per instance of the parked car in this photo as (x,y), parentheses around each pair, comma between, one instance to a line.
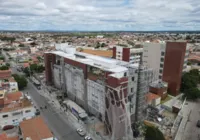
(7,127)
(81,132)
(198,123)
(88,138)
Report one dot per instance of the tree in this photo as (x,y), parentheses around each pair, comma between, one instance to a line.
(189,84)
(153,133)
(188,37)
(27,71)
(103,45)
(192,93)
(21,45)
(98,45)
(33,67)
(4,67)
(8,64)
(21,80)
(1,58)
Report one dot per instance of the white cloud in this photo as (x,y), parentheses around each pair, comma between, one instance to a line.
(100,15)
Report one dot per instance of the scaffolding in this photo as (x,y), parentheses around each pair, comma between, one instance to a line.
(145,77)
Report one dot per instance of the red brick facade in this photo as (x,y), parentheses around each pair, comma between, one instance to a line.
(159,91)
(49,59)
(114,52)
(173,65)
(126,54)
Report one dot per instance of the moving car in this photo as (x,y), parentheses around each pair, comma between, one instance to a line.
(198,123)
(37,112)
(81,132)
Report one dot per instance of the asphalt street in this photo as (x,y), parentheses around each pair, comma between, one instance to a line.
(192,131)
(53,117)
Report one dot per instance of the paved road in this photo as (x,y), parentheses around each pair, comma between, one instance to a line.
(56,120)
(191,131)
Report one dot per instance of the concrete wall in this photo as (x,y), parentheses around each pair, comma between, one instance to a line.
(15,119)
(152,56)
(96,98)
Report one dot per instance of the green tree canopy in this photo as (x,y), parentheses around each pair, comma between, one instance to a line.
(189,84)
(37,68)
(153,133)
(1,58)
(21,80)
(4,67)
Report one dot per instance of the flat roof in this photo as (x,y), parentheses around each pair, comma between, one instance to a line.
(104,63)
(35,128)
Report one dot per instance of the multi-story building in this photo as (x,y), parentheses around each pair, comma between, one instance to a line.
(169,60)
(14,108)
(103,86)
(127,54)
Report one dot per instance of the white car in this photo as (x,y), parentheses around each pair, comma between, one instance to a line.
(87,138)
(81,132)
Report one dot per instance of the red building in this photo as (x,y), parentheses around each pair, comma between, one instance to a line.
(174,62)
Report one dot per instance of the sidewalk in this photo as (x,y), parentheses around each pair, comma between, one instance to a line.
(72,120)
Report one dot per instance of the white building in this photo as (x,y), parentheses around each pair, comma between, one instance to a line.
(14,109)
(127,54)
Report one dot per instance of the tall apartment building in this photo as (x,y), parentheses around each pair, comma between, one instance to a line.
(169,60)
(102,86)
(127,54)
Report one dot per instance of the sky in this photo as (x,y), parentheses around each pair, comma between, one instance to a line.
(100,15)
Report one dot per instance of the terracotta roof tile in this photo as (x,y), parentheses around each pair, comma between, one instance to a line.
(150,96)
(15,96)
(4,74)
(35,128)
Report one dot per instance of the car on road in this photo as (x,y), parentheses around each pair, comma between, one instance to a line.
(198,123)
(81,132)
(88,138)
(37,112)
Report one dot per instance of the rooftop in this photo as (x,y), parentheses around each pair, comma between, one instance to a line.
(4,136)
(4,74)
(159,84)
(107,64)
(11,97)
(150,96)
(35,128)
(104,53)
(23,103)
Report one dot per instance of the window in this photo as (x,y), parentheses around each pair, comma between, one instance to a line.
(16,113)
(160,70)
(133,78)
(162,59)
(27,111)
(162,53)
(125,74)
(160,77)
(161,65)
(131,89)
(5,116)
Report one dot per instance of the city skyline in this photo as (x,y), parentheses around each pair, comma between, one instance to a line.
(113,15)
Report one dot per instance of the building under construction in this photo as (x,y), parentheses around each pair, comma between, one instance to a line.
(107,88)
